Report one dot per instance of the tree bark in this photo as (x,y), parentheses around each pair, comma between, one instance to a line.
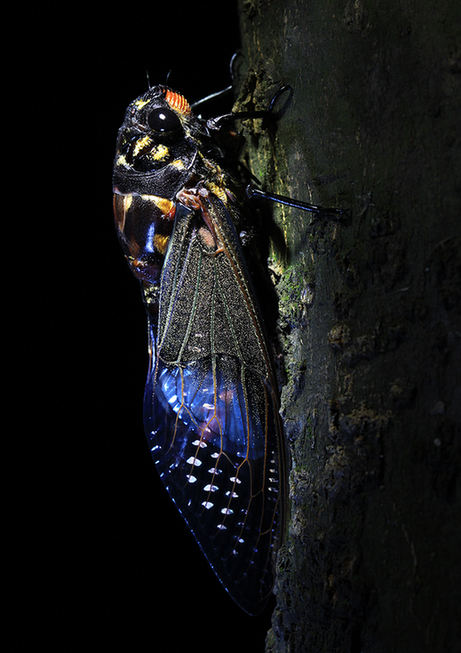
(369,316)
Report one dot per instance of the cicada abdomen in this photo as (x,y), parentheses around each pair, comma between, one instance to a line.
(211,403)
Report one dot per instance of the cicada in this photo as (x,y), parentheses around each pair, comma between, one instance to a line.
(211,407)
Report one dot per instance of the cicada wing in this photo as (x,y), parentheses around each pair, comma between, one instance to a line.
(211,417)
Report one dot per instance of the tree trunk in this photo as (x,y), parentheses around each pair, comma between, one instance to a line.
(369,316)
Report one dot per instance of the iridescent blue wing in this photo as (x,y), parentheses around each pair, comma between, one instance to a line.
(211,408)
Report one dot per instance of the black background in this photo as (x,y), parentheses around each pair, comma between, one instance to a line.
(100,560)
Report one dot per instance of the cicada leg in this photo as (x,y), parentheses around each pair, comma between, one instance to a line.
(224,91)
(194,198)
(269,112)
(331,213)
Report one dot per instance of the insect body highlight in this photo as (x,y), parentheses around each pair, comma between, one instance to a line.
(211,403)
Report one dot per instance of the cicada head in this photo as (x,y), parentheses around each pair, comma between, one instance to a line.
(156,146)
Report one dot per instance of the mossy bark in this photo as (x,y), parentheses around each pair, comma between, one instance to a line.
(369,316)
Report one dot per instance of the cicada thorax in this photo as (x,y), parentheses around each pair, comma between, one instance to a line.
(158,155)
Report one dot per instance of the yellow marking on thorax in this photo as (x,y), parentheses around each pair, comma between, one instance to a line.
(218,191)
(121,161)
(141,143)
(161,243)
(159,152)
(177,163)
(139,104)
(162,203)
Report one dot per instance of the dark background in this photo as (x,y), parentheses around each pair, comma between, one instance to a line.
(100,559)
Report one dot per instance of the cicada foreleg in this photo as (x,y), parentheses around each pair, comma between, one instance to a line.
(216,123)
(195,198)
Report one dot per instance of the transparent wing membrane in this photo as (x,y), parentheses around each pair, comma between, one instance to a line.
(213,398)
(210,444)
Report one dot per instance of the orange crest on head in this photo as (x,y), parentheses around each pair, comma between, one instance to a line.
(177,102)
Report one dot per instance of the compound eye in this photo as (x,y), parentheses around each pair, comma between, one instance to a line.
(163,120)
